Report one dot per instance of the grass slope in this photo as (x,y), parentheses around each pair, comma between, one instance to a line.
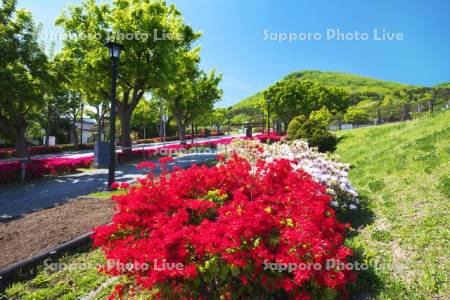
(349,82)
(404,171)
(443,85)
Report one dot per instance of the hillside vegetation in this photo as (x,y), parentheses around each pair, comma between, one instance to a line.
(350,83)
(404,171)
(364,92)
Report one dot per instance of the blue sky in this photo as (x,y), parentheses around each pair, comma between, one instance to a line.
(234,40)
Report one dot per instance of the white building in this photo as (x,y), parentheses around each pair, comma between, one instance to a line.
(88,130)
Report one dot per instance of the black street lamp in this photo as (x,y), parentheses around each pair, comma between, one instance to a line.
(81,125)
(268,114)
(114,54)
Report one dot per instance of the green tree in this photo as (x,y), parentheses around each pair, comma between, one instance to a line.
(356,116)
(219,117)
(99,111)
(193,92)
(291,97)
(23,74)
(206,93)
(148,61)
(322,115)
(147,113)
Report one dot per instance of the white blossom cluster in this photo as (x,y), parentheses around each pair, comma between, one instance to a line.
(323,168)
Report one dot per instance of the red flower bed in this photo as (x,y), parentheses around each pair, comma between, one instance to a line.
(10,171)
(37,168)
(210,233)
(37,150)
(59,166)
(264,137)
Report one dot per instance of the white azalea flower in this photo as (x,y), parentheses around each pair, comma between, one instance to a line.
(323,168)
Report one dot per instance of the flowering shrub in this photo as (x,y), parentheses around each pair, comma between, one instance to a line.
(10,171)
(264,137)
(36,150)
(37,168)
(210,233)
(120,185)
(323,168)
(60,166)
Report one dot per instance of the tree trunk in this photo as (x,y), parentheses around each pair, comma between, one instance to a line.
(99,130)
(125,109)
(179,120)
(47,135)
(20,144)
(125,135)
(48,128)
(192,132)
(100,119)
(73,133)
(181,131)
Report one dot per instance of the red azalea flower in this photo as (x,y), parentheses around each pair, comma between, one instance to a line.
(124,185)
(115,185)
(166,159)
(146,164)
(228,218)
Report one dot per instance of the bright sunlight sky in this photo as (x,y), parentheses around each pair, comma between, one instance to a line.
(240,38)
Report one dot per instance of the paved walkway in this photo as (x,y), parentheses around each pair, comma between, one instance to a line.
(89,152)
(19,199)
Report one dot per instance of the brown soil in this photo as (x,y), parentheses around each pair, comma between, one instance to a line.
(36,232)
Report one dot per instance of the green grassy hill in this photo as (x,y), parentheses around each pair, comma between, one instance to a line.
(443,85)
(404,171)
(350,83)
(362,90)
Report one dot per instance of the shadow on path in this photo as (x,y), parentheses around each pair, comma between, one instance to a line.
(19,199)
(368,283)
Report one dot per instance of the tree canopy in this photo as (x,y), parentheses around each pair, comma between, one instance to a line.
(24,74)
(149,60)
(291,97)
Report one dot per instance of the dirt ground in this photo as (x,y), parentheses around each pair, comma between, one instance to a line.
(36,232)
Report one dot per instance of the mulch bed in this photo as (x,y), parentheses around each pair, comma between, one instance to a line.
(43,230)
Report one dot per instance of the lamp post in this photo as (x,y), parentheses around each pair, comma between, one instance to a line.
(81,125)
(164,119)
(268,114)
(114,54)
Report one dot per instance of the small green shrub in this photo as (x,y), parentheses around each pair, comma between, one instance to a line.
(313,131)
(294,126)
(444,185)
